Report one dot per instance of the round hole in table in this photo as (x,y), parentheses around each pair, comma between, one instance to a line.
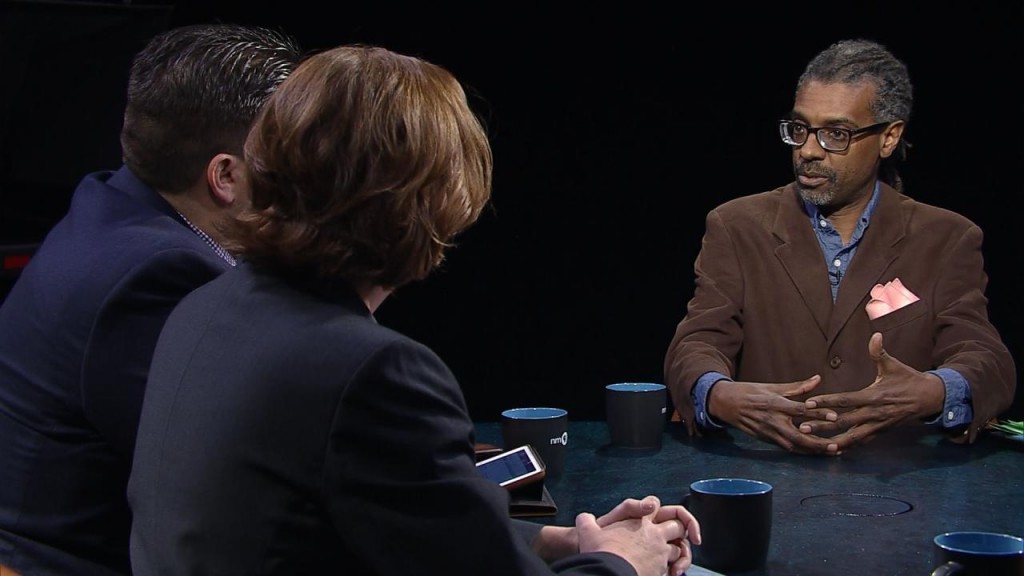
(856,505)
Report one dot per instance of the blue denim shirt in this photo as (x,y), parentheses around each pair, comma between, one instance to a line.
(957,409)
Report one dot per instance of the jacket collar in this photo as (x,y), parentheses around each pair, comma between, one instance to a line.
(797,247)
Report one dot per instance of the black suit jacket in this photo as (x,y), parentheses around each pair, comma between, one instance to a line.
(77,332)
(284,431)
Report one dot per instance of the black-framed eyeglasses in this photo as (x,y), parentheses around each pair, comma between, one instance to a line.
(831,138)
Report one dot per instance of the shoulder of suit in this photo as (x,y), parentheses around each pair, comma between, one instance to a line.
(755,205)
(932,214)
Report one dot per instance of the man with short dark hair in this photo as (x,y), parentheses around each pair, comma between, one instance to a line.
(80,324)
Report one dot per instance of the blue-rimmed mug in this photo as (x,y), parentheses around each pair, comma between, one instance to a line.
(635,412)
(544,428)
(972,552)
(735,516)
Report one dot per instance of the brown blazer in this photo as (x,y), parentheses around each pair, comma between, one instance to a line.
(762,309)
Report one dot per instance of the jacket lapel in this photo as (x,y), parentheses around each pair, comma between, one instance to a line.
(801,257)
(874,256)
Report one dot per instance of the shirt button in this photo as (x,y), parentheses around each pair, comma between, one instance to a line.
(837,263)
(949,415)
(823,224)
(835,362)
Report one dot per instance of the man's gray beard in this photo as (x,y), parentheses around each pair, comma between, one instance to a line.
(818,197)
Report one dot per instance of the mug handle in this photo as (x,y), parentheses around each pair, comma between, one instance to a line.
(948,569)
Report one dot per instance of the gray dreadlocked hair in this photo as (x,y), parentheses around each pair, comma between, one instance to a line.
(855,61)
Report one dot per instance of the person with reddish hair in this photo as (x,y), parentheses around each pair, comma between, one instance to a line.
(285,431)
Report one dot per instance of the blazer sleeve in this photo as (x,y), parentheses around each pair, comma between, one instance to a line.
(401,483)
(123,338)
(965,339)
(709,338)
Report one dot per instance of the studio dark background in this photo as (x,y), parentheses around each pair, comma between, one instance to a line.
(615,130)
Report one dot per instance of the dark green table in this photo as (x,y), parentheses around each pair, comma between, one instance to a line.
(872,511)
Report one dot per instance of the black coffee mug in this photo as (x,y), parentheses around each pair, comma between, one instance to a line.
(636,413)
(973,553)
(735,516)
(546,429)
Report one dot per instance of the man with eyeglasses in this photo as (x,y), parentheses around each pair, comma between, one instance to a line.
(833,308)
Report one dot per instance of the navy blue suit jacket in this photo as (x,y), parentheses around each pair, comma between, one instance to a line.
(284,431)
(77,332)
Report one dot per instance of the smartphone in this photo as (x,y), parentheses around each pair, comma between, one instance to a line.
(513,468)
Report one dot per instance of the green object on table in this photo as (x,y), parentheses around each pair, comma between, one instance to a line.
(1008,426)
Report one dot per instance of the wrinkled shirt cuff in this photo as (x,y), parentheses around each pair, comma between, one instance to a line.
(699,395)
(957,409)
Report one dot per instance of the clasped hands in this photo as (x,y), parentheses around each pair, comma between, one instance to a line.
(652,537)
(831,423)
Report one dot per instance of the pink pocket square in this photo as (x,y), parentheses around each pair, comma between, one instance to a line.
(892,296)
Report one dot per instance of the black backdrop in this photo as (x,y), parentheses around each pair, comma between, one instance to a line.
(615,130)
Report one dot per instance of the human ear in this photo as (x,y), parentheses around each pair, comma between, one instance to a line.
(226,176)
(891,138)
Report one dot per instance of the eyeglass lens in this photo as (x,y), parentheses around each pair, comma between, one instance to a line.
(830,138)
